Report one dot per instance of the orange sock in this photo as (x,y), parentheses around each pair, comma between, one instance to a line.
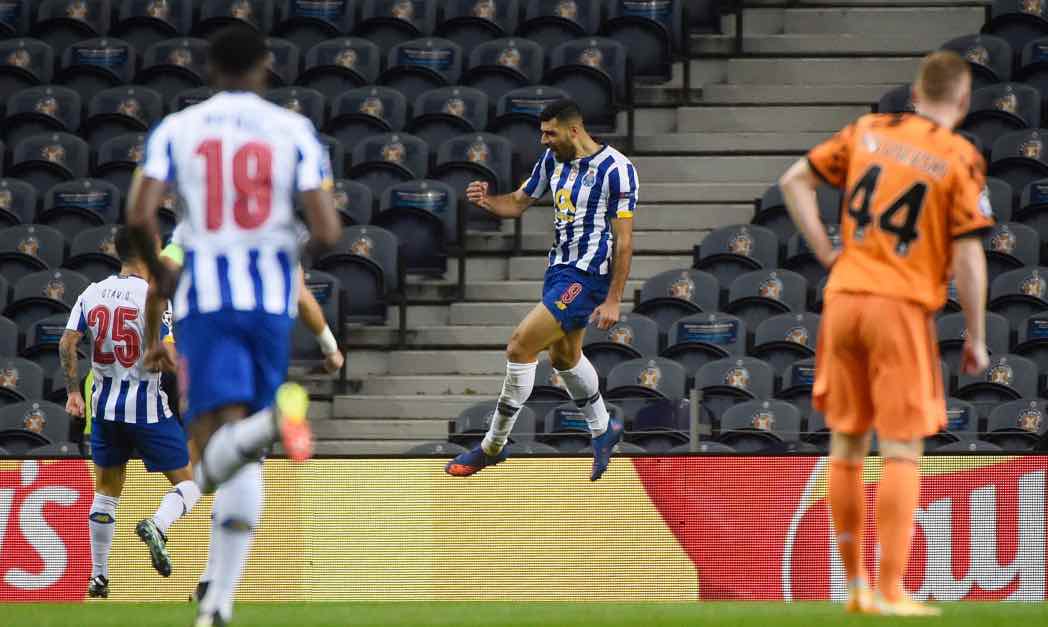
(848,506)
(897,498)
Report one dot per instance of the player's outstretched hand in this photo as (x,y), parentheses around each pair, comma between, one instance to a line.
(333,362)
(158,359)
(605,315)
(974,359)
(75,405)
(477,193)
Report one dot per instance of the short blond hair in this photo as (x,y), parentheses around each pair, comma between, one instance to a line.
(940,77)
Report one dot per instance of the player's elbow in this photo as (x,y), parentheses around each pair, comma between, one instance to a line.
(798,176)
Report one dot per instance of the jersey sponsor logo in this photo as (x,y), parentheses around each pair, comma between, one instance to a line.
(569,295)
(565,208)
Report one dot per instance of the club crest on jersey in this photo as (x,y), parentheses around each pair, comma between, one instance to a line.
(591,177)
(478,151)
(1008,103)
(1034,286)
(347,58)
(592,57)
(180,56)
(621,334)
(509,57)
(1003,241)
(650,376)
(484,9)
(9,377)
(797,335)
(76,10)
(48,105)
(1032,7)
(55,288)
(403,10)
(737,377)
(19,58)
(978,54)
(30,245)
(363,246)
(1032,148)
(393,151)
(55,153)
(741,243)
(1030,419)
(683,288)
(6,199)
(1001,374)
(771,287)
(455,107)
(158,9)
(242,10)
(566,9)
(763,420)
(34,419)
(569,295)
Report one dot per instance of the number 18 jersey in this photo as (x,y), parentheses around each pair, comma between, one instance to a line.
(237,161)
(910,188)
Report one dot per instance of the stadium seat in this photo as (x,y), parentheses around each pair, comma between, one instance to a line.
(41,342)
(797,383)
(705,447)
(656,423)
(550,22)
(998,109)
(673,294)
(503,65)
(1019,294)
(173,66)
(697,340)
(307,24)
(549,390)
(14,21)
(216,14)
(470,23)
(417,66)
(634,336)
(756,296)
(1032,340)
(968,446)
(787,338)
(1017,21)
(1009,246)
(94,65)
(57,450)
(29,248)
(950,330)
(1018,425)
(62,23)
(897,100)
(962,421)
(652,31)
(365,260)
(436,449)
(392,22)
(517,119)
(327,289)
(336,152)
(471,425)
(594,72)
(142,22)
(989,57)
(728,382)
(731,251)
(1002,199)
(647,378)
(354,202)
(8,330)
(20,380)
(383,160)
(760,426)
(75,206)
(1009,377)
(31,424)
(122,110)
(1033,210)
(526,448)
(54,385)
(283,60)
(42,294)
(360,113)
(335,66)
(118,158)
(423,215)
(303,100)
(1033,65)
(1019,157)
(816,432)
(92,253)
(190,97)
(771,211)
(800,258)
(440,114)
(39,110)
(17,203)
(480,156)
(25,63)
(565,428)
(44,161)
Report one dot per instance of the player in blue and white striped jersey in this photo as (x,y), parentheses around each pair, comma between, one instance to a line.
(129,411)
(594,191)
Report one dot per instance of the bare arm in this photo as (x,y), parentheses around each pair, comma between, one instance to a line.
(313,317)
(68,356)
(512,205)
(607,313)
(798,186)
(969,269)
(324,224)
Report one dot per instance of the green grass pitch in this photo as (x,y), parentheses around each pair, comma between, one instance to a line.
(103,614)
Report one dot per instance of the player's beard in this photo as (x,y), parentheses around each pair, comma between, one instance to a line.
(564,153)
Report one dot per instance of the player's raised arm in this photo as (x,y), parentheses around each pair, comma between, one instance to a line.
(512,205)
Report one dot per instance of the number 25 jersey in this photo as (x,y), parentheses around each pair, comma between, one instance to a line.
(910,188)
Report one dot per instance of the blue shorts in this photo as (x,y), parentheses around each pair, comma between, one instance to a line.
(161,444)
(233,358)
(571,295)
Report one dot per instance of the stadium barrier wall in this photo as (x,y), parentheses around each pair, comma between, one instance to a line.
(655,528)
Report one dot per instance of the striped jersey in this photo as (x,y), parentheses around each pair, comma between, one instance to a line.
(587,194)
(113,313)
(238,162)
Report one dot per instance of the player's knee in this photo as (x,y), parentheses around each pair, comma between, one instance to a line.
(906,450)
(565,360)
(517,353)
(848,447)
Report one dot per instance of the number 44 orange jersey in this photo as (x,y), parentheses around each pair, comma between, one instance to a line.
(910,187)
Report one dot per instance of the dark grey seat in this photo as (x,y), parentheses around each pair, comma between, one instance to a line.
(20,380)
(121,110)
(671,295)
(173,66)
(697,340)
(760,426)
(787,338)
(417,66)
(423,216)
(94,65)
(594,71)
(29,248)
(383,160)
(366,262)
(337,65)
(634,336)
(74,206)
(46,160)
(30,424)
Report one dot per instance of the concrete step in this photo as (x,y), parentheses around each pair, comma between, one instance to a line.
(367,447)
(816,44)
(944,22)
(403,408)
(319,410)
(792,119)
(432,385)
(522,291)
(706,192)
(534,268)
(711,169)
(719,143)
(367,363)
(724,93)
(368,428)
(644,242)
(476,316)
(649,216)
(807,70)
(493,334)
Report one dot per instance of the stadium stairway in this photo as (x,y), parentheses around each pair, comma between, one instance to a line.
(808,71)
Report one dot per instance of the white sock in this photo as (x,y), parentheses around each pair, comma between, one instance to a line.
(516,388)
(233,446)
(212,549)
(102,521)
(178,502)
(238,509)
(584,386)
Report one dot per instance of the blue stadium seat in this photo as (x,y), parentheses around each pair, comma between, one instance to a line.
(634,336)
(382,160)
(42,294)
(502,65)
(118,157)
(122,110)
(17,203)
(669,296)
(366,261)
(731,251)
(594,72)
(422,214)
(173,66)
(1009,246)
(61,23)
(337,65)
(216,14)
(307,23)
(25,63)
(391,22)
(142,22)
(44,161)
(470,23)
(20,380)
(37,110)
(1009,377)
(990,58)
(29,248)
(550,22)
(366,111)
(440,114)
(517,119)
(81,204)
(92,253)
(94,65)
(786,339)
(418,65)
(303,100)
(1017,21)
(479,156)
(760,426)
(652,31)
(697,340)
(998,109)
(1019,158)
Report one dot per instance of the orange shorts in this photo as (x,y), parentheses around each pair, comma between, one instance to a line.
(877,364)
